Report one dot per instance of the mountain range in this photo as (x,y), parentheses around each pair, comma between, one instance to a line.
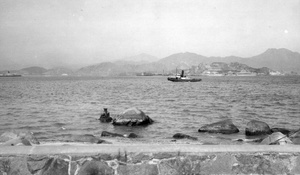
(282,60)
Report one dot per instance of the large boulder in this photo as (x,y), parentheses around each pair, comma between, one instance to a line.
(132,117)
(224,127)
(295,137)
(110,134)
(276,138)
(257,128)
(183,136)
(282,130)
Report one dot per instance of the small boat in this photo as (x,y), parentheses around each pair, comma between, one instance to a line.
(183,78)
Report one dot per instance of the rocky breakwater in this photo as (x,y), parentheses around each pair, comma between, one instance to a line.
(148,159)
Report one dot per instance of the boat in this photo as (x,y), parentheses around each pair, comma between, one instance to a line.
(182,78)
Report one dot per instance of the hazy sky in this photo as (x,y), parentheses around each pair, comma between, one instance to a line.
(55,32)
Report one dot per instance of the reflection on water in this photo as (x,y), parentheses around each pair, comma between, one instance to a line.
(57,106)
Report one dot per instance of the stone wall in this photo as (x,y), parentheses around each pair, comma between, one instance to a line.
(150,159)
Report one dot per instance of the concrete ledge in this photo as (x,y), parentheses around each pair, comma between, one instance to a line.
(92,149)
(146,159)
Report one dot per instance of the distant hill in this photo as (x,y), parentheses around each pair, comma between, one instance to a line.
(59,71)
(277,59)
(181,61)
(35,70)
(107,69)
(225,68)
(137,60)
(274,59)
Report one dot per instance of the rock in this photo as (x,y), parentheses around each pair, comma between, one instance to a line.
(8,136)
(16,142)
(183,136)
(256,128)
(132,135)
(22,138)
(110,134)
(132,117)
(105,119)
(55,166)
(276,138)
(224,127)
(96,168)
(248,140)
(82,138)
(282,130)
(14,166)
(295,137)
(29,136)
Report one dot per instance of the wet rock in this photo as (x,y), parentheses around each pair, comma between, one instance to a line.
(183,136)
(276,138)
(18,138)
(256,128)
(132,117)
(131,135)
(29,136)
(110,134)
(6,136)
(224,127)
(282,130)
(16,142)
(295,137)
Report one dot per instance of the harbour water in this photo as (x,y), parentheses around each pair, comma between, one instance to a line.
(55,108)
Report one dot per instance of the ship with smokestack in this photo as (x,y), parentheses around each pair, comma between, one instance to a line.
(183,78)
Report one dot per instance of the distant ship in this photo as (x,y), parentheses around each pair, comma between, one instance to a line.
(183,78)
(8,74)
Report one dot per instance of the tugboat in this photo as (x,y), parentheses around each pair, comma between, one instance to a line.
(183,78)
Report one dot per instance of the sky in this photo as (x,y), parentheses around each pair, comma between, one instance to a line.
(53,33)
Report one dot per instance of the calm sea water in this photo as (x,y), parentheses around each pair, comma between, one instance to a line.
(57,107)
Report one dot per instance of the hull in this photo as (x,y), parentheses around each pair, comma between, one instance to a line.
(184,79)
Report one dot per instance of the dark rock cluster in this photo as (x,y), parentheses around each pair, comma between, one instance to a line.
(267,135)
